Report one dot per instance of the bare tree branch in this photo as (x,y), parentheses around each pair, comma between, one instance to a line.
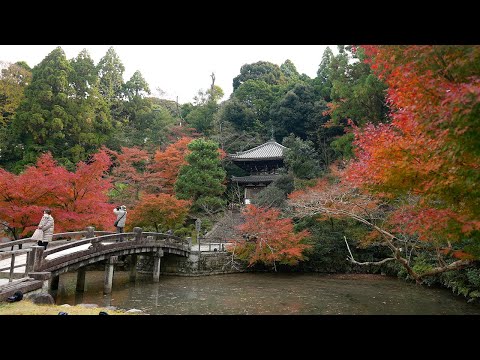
(343,202)
(353,261)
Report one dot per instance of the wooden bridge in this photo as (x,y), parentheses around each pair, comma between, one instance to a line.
(82,248)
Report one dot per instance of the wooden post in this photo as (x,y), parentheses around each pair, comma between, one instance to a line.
(90,232)
(29,263)
(12,264)
(156,265)
(107,286)
(189,240)
(81,280)
(133,269)
(138,233)
(36,257)
(54,283)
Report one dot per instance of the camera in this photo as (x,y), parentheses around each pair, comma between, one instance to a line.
(118,208)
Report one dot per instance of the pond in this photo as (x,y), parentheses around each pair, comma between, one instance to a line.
(266,293)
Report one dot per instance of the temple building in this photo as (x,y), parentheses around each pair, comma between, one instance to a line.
(262,163)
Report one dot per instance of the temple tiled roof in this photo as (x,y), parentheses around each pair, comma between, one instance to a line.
(271,150)
(255,178)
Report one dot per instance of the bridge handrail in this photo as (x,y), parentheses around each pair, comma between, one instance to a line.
(98,239)
(100,233)
(16,252)
(101,238)
(12,265)
(54,238)
(76,243)
(163,235)
(15,242)
(69,234)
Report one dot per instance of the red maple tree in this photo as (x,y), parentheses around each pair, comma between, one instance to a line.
(267,238)
(430,149)
(77,199)
(131,170)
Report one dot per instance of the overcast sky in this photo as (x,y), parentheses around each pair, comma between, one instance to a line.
(181,70)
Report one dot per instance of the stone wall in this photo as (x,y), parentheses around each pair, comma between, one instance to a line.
(208,263)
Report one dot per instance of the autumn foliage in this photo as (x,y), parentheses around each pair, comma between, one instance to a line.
(77,199)
(161,212)
(130,170)
(166,164)
(430,149)
(267,238)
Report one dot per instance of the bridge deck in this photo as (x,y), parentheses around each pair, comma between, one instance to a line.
(22,259)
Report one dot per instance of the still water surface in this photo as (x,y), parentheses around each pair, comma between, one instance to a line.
(271,294)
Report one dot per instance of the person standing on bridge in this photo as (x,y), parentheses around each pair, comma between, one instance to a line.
(46,225)
(121,212)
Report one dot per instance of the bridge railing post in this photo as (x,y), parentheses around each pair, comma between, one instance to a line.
(34,261)
(138,233)
(189,242)
(90,232)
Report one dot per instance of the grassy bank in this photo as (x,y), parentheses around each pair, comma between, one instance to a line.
(26,307)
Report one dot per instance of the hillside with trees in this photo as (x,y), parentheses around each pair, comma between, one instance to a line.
(382,165)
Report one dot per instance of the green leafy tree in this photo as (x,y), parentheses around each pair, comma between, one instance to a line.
(289,70)
(202,116)
(147,128)
(202,179)
(301,158)
(357,93)
(13,80)
(240,114)
(259,96)
(294,112)
(261,70)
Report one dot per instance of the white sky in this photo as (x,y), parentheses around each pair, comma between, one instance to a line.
(182,70)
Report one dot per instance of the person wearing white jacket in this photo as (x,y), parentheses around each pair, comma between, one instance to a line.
(46,225)
(121,212)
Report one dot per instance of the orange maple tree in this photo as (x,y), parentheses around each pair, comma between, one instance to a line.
(430,149)
(77,199)
(267,238)
(162,212)
(166,164)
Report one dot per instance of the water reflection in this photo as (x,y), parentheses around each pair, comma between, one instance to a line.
(265,294)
